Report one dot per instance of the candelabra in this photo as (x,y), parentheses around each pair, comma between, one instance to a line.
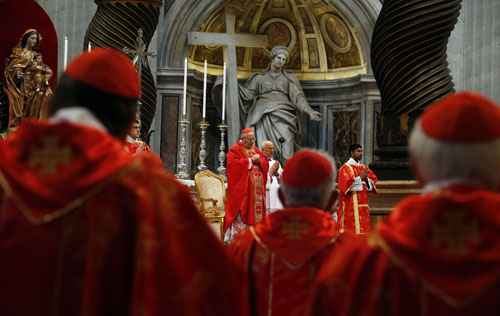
(182,167)
(222,149)
(203,145)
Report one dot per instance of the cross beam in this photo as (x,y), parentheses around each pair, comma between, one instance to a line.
(230,40)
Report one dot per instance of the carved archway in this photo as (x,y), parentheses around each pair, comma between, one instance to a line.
(173,47)
(333,97)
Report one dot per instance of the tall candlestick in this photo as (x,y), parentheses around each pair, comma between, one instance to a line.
(65,62)
(204,114)
(224,93)
(184,99)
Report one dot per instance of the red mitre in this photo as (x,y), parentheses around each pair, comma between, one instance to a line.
(462,118)
(306,169)
(108,70)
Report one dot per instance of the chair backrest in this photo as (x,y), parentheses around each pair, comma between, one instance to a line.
(211,191)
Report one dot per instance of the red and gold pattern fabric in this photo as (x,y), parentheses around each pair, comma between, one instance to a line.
(353,211)
(279,258)
(137,147)
(246,187)
(437,254)
(87,229)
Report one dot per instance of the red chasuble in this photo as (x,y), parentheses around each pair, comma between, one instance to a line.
(437,254)
(87,229)
(353,212)
(136,147)
(246,185)
(279,258)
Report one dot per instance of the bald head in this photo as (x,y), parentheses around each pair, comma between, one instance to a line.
(268,149)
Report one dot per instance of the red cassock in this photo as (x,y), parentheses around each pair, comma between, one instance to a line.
(437,254)
(246,187)
(279,258)
(354,212)
(87,229)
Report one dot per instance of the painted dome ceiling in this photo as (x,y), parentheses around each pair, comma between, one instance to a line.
(321,42)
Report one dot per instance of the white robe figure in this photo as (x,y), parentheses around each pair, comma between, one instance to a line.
(273,202)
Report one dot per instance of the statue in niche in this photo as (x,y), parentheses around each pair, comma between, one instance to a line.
(270,103)
(27,80)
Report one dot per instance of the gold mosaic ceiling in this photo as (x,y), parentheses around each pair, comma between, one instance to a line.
(322,43)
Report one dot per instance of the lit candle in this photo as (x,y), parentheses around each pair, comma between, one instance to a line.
(184,99)
(65,62)
(205,90)
(224,93)
(89,48)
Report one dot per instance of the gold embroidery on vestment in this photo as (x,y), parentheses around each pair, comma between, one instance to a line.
(294,228)
(454,232)
(48,157)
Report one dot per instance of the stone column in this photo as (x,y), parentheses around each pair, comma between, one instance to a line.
(481,51)
(410,64)
(115,24)
(71,18)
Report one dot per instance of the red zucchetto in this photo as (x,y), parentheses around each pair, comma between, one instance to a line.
(108,70)
(306,169)
(463,117)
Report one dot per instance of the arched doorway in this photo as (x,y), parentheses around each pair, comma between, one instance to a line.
(330,55)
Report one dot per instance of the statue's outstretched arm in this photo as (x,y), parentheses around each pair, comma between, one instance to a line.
(297,97)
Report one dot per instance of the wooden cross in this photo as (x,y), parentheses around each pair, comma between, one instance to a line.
(230,40)
(294,228)
(50,156)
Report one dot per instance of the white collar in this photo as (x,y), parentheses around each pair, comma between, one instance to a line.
(441,184)
(352,162)
(130,139)
(77,115)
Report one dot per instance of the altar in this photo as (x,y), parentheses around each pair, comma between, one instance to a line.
(329,55)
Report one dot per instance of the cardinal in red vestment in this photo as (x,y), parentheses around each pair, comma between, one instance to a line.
(247,169)
(437,253)
(280,256)
(134,145)
(355,180)
(88,229)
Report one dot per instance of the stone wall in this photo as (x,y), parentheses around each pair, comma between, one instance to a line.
(72,18)
(474,49)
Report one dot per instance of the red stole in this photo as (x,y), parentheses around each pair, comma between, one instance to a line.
(353,211)
(437,254)
(137,147)
(246,188)
(279,258)
(117,241)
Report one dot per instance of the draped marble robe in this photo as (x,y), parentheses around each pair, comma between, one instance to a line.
(276,99)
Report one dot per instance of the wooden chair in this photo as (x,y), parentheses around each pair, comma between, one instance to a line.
(211,192)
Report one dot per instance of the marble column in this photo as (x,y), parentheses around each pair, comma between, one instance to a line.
(474,49)
(70,18)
